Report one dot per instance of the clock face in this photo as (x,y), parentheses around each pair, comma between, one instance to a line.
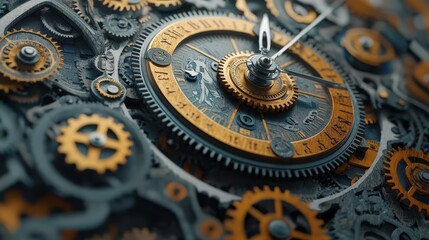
(214,119)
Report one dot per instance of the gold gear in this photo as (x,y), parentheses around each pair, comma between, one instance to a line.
(101,85)
(8,86)
(256,207)
(139,234)
(417,85)
(407,173)
(27,95)
(290,11)
(125,5)
(165,3)
(14,206)
(378,52)
(370,115)
(279,96)
(105,135)
(50,56)
(242,6)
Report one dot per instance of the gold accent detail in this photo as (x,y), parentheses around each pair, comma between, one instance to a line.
(103,92)
(234,45)
(8,86)
(290,11)
(252,213)
(381,50)
(402,170)
(45,67)
(211,229)
(370,115)
(272,7)
(162,77)
(311,94)
(279,96)
(241,5)
(369,157)
(264,122)
(124,5)
(93,158)
(165,3)
(176,191)
(418,84)
(231,119)
(287,64)
(202,52)
(139,234)
(383,94)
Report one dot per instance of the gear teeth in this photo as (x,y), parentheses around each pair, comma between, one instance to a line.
(67,144)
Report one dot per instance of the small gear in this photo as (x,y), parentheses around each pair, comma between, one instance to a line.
(120,27)
(28,95)
(272,214)
(370,115)
(418,84)
(242,6)
(28,56)
(165,3)
(125,5)
(94,143)
(274,98)
(8,86)
(139,234)
(109,88)
(407,174)
(57,25)
(207,4)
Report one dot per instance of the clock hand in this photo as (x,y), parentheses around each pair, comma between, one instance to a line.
(265,35)
(312,25)
(322,81)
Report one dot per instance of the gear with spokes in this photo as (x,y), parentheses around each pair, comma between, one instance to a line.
(407,174)
(265,214)
(165,3)
(278,96)
(28,56)
(94,143)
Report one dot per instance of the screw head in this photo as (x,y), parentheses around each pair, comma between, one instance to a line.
(279,229)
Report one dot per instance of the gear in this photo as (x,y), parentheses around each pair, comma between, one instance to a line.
(28,56)
(243,7)
(207,4)
(8,134)
(138,234)
(99,142)
(8,86)
(417,85)
(125,5)
(28,95)
(81,10)
(272,214)
(370,115)
(165,3)
(279,96)
(57,25)
(120,27)
(14,206)
(109,88)
(407,174)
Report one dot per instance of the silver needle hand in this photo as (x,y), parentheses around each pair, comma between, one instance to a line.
(265,35)
(322,81)
(319,19)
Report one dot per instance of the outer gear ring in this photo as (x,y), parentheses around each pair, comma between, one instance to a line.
(50,56)
(407,173)
(165,3)
(124,5)
(94,159)
(255,205)
(275,98)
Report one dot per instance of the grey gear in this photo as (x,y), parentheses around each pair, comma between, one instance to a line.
(57,25)
(120,27)
(207,4)
(80,9)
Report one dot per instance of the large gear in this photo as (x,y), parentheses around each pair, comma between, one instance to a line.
(107,135)
(407,174)
(279,96)
(28,56)
(120,27)
(57,25)
(125,5)
(267,214)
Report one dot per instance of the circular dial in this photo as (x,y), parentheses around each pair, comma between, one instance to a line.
(186,88)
